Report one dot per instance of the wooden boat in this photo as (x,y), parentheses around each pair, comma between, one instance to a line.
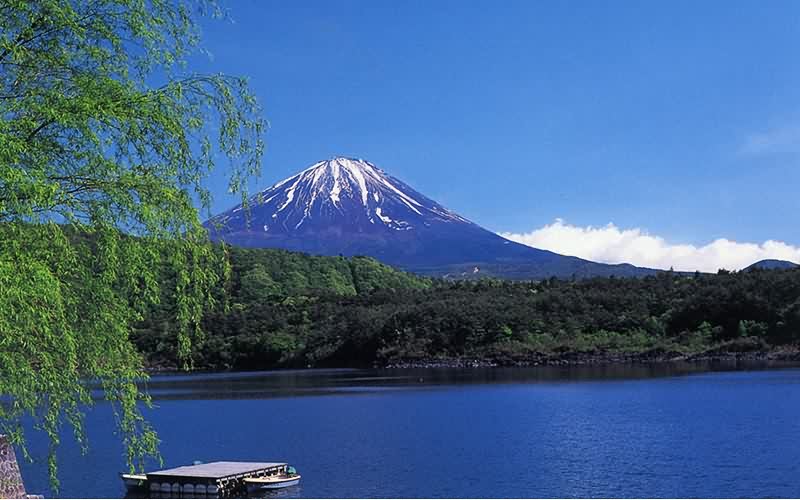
(216,478)
(133,481)
(272,482)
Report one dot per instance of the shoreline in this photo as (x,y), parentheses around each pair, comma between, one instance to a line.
(784,354)
(789,354)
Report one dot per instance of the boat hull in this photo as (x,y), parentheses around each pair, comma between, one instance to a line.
(272,485)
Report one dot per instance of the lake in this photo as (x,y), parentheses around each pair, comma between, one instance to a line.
(666,430)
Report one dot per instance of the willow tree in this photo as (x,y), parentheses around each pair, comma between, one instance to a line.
(106,145)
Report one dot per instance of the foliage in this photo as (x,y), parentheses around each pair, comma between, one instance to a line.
(272,295)
(101,134)
(394,316)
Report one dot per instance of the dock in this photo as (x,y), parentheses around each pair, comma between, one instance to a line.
(222,479)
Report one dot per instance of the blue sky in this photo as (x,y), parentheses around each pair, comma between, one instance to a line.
(677,119)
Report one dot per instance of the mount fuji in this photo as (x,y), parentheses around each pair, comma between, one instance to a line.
(346,206)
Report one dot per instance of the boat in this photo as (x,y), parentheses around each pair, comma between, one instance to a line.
(284,479)
(215,478)
(133,481)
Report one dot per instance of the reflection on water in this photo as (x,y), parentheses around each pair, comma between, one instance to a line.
(291,383)
(290,492)
(158,494)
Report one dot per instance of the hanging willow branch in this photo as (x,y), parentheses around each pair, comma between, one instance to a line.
(102,184)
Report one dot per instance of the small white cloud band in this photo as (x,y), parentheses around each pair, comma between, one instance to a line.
(610,244)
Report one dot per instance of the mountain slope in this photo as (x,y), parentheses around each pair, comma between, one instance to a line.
(351,207)
(772,264)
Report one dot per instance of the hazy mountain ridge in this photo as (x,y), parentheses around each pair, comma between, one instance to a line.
(771,264)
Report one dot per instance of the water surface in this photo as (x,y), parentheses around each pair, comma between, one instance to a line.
(610,431)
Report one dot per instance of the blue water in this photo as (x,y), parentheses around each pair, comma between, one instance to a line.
(637,431)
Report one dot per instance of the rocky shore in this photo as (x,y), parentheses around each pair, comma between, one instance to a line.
(782,354)
(731,352)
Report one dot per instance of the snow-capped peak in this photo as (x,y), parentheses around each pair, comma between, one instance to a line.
(341,191)
(356,177)
(347,206)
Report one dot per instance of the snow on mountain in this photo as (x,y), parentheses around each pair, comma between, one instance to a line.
(350,192)
(345,206)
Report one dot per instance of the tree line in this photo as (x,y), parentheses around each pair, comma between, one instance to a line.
(285,309)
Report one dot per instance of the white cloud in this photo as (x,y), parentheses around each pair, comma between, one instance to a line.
(610,244)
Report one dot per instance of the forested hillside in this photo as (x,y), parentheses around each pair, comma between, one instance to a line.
(261,317)
(293,310)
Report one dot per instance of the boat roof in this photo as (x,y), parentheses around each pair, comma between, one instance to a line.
(217,470)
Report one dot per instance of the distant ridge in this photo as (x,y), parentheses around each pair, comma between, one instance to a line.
(772,264)
(351,207)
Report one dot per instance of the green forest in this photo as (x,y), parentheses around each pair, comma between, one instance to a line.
(285,309)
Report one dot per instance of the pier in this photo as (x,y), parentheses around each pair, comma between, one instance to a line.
(222,479)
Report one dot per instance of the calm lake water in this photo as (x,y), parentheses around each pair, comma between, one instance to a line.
(617,431)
